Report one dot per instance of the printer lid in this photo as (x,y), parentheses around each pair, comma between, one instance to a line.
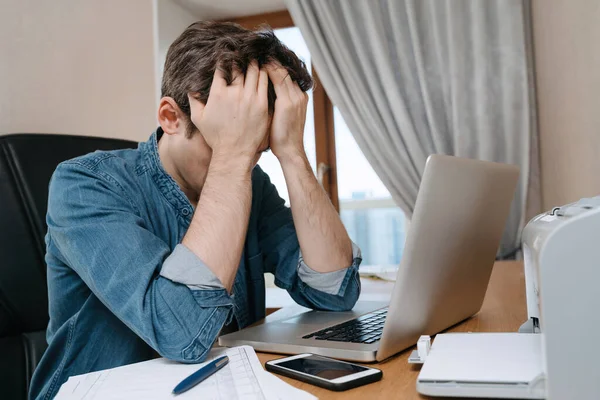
(500,365)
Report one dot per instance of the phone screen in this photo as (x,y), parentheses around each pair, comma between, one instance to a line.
(322,367)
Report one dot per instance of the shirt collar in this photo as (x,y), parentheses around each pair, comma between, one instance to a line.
(165,183)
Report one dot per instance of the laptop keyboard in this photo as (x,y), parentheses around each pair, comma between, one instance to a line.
(364,329)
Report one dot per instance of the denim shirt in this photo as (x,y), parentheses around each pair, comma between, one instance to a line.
(121,284)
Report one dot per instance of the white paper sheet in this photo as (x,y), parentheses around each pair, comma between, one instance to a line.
(243,378)
(283,390)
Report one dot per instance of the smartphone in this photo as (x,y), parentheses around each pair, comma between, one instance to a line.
(324,372)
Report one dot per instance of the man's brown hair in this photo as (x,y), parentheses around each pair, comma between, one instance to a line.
(194,56)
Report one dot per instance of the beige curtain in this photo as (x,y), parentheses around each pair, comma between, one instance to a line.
(417,77)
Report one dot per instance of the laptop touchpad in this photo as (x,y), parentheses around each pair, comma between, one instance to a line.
(317,318)
(328,318)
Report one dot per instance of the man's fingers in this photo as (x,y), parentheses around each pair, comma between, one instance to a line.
(196,106)
(277,75)
(263,84)
(218,79)
(284,85)
(292,87)
(251,81)
(295,91)
(238,77)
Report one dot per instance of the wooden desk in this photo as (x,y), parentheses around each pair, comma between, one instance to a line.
(504,310)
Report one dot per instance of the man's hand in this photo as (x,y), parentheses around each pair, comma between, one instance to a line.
(287,128)
(234,124)
(235,119)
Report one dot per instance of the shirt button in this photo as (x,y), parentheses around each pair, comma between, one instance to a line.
(185,211)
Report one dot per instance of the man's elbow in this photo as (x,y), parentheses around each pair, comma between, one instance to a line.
(184,343)
(351,295)
(194,355)
(345,300)
(192,350)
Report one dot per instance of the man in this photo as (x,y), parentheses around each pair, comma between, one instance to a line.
(163,247)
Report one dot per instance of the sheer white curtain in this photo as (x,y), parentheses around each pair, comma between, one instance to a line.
(417,77)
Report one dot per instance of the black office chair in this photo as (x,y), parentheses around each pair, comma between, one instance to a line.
(27,162)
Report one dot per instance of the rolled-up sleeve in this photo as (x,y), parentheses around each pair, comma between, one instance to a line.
(328,282)
(183,266)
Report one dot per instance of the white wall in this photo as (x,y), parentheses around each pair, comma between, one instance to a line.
(222,9)
(78,67)
(87,67)
(170,20)
(567,59)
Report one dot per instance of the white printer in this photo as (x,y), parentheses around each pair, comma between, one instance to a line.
(557,354)
(561,250)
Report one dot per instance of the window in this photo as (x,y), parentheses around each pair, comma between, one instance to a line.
(366,208)
(372,219)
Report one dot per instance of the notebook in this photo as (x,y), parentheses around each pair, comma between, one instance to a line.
(243,378)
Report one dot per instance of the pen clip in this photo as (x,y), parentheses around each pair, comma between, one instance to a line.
(223,360)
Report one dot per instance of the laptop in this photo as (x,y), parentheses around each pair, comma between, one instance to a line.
(458,221)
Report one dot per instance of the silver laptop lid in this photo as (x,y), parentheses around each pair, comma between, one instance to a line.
(458,221)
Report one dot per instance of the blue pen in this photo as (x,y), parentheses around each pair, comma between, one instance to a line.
(201,375)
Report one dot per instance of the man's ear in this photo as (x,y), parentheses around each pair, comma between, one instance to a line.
(170,116)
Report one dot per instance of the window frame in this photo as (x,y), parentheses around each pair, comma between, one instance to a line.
(323,108)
